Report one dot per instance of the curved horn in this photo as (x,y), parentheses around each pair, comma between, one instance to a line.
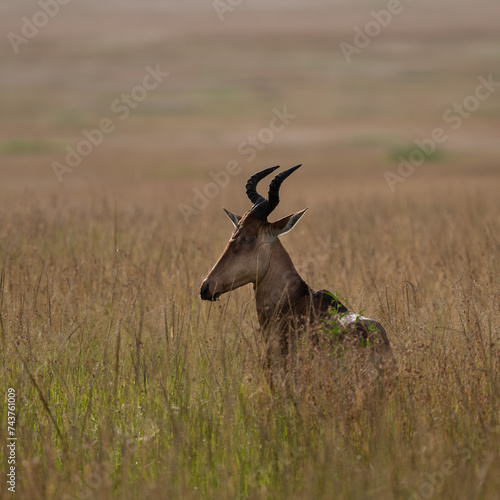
(262,206)
(274,187)
(251,186)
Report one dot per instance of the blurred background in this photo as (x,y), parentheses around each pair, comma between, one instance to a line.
(356,111)
(126,126)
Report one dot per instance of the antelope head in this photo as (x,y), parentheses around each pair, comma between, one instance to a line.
(254,245)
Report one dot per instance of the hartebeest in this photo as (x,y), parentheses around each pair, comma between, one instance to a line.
(285,302)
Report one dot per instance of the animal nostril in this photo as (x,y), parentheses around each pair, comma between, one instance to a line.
(204,292)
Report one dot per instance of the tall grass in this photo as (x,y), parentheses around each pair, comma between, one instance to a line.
(129,386)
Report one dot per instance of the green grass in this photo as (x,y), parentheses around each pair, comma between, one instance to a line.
(395,152)
(25,146)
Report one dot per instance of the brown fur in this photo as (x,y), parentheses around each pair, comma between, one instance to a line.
(285,303)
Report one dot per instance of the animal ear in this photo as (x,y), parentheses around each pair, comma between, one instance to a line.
(235,219)
(286,224)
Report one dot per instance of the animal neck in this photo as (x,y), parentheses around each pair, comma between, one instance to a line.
(280,291)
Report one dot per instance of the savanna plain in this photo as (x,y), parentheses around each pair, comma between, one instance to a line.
(126,384)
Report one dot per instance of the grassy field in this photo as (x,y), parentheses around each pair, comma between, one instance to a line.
(126,384)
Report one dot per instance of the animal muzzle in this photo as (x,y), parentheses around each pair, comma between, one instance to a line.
(208,293)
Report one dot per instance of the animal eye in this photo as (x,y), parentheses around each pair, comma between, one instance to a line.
(247,239)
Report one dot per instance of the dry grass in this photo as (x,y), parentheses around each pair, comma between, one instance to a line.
(128,386)
(127,382)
